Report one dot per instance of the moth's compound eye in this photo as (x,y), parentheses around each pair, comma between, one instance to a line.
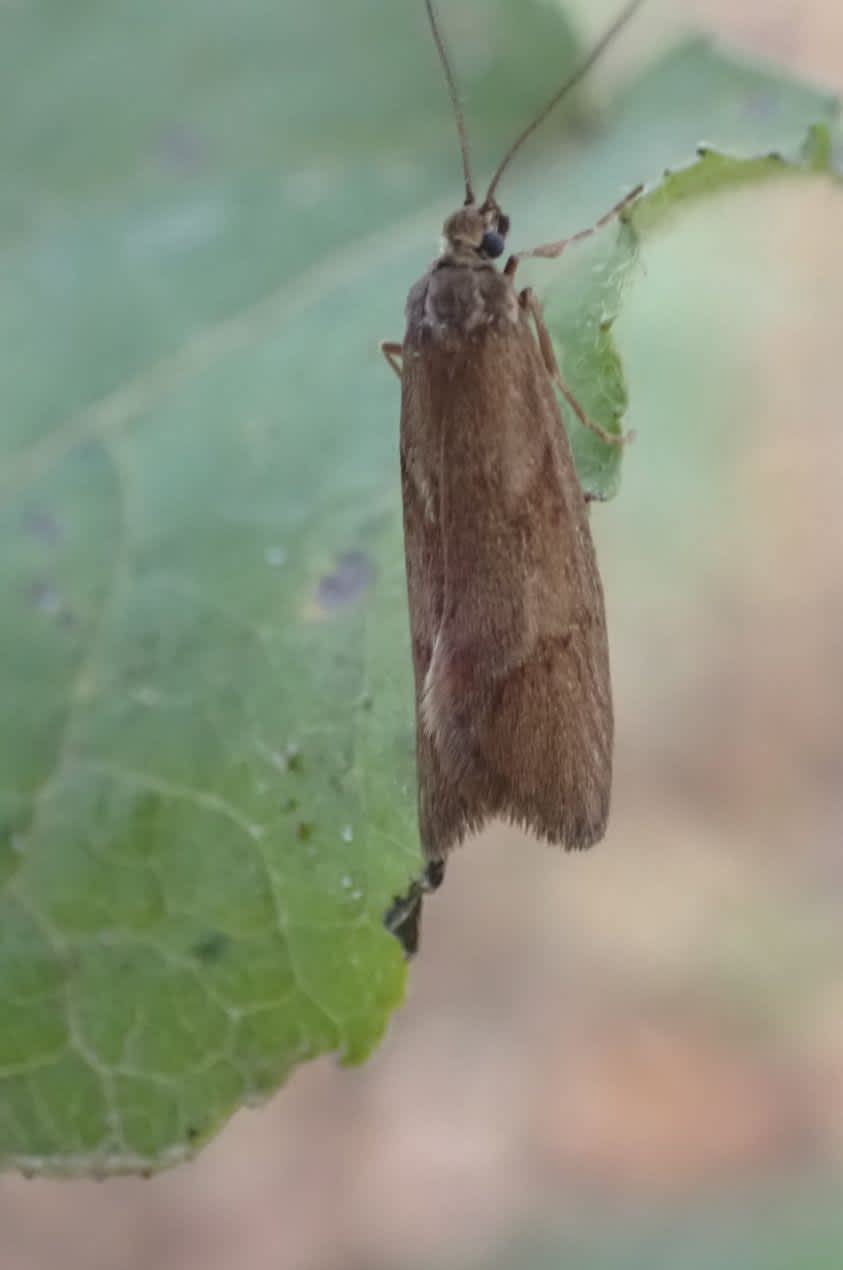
(493,244)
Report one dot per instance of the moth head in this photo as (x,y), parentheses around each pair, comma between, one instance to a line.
(479,231)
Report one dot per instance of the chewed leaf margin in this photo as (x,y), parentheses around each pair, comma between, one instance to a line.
(588,354)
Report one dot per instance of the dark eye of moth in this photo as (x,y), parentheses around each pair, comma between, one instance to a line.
(493,244)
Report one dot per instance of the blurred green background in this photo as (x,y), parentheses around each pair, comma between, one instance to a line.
(633,1058)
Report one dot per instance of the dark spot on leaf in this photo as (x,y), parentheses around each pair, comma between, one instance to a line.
(183,148)
(293,758)
(89,453)
(304,830)
(11,838)
(761,105)
(289,805)
(192,1132)
(12,848)
(211,947)
(351,580)
(42,525)
(44,597)
(145,814)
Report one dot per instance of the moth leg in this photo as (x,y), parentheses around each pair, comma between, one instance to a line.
(392,350)
(528,301)
(552,251)
(403,918)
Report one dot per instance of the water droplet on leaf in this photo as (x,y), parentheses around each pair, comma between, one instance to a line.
(275,557)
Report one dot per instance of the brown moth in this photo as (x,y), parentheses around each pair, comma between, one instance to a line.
(508,626)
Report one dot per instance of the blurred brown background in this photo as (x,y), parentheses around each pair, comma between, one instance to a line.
(644,1030)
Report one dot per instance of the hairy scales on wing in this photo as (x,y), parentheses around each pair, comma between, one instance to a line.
(506,606)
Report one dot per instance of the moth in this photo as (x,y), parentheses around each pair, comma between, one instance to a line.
(507,619)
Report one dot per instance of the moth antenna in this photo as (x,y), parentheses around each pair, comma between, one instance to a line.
(454,95)
(582,70)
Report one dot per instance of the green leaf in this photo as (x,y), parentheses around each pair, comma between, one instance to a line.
(206,768)
(206,765)
(769,127)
